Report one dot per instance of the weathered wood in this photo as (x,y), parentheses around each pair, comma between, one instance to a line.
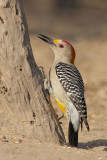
(22,101)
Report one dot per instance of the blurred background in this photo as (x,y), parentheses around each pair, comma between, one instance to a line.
(83,23)
(71,19)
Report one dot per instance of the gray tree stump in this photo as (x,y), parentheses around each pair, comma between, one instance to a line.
(23,106)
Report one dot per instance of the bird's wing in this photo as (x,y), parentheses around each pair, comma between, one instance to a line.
(72,83)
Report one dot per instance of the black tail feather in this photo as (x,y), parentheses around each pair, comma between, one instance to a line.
(72,136)
(81,122)
(87,125)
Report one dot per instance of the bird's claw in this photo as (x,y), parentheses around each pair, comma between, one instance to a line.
(45,83)
(61,117)
(42,72)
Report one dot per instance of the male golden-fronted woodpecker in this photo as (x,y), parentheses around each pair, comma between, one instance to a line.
(67,86)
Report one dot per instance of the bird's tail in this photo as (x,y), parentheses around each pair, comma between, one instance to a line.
(72,136)
(86,124)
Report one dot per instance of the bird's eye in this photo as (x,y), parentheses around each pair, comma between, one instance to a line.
(61,46)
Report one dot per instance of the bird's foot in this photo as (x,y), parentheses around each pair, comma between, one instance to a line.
(61,117)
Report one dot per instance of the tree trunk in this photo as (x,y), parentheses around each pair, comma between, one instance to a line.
(23,106)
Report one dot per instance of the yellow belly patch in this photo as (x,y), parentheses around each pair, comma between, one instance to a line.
(62,106)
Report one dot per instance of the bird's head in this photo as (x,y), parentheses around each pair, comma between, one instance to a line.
(60,48)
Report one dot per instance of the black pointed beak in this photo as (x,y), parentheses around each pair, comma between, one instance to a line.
(46,39)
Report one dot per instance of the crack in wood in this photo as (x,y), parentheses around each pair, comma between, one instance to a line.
(1,19)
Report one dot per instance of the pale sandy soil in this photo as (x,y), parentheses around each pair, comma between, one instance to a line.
(91,61)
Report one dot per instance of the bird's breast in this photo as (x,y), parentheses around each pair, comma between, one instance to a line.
(58,89)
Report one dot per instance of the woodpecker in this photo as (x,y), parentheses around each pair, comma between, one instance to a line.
(66,84)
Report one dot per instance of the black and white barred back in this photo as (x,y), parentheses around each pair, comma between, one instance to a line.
(72,83)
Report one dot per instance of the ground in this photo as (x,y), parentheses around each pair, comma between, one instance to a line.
(90,44)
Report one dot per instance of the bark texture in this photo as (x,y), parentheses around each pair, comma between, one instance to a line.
(22,102)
